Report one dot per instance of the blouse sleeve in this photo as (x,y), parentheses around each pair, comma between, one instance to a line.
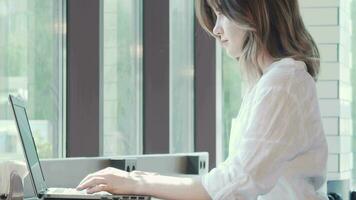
(274,135)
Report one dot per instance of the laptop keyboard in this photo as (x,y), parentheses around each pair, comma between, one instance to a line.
(74,191)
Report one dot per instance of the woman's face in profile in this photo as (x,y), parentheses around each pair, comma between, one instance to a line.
(229,34)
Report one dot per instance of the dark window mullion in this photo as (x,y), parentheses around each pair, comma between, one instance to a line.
(83,85)
(156,76)
(205,94)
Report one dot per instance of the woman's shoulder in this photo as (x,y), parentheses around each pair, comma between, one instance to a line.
(286,74)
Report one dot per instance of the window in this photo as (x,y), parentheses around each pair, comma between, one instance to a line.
(229,98)
(353,85)
(32,36)
(232,94)
(122,77)
(181,76)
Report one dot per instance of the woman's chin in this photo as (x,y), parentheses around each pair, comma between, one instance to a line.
(233,54)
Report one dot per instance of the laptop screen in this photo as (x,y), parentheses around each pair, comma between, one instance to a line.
(28,145)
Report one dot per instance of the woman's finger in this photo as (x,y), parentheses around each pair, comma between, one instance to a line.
(97,188)
(92,175)
(97,180)
(89,176)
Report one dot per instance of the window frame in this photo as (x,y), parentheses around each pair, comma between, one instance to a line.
(155,81)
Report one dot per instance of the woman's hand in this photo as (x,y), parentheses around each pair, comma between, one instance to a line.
(114,181)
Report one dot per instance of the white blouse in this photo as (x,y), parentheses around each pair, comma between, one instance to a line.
(278,149)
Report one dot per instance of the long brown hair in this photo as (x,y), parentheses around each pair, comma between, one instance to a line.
(273,25)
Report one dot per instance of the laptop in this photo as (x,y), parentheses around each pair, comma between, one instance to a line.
(34,166)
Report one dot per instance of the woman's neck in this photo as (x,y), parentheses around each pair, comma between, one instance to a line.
(265,60)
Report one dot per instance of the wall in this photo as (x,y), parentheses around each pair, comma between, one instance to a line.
(329,22)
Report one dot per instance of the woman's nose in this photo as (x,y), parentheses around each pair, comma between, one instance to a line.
(217,30)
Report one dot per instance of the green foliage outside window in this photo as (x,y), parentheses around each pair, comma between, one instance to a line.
(232,90)
(31,49)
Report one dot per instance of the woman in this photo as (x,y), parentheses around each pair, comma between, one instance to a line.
(278,148)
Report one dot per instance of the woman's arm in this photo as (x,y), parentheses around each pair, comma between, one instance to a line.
(143,183)
(168,187)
